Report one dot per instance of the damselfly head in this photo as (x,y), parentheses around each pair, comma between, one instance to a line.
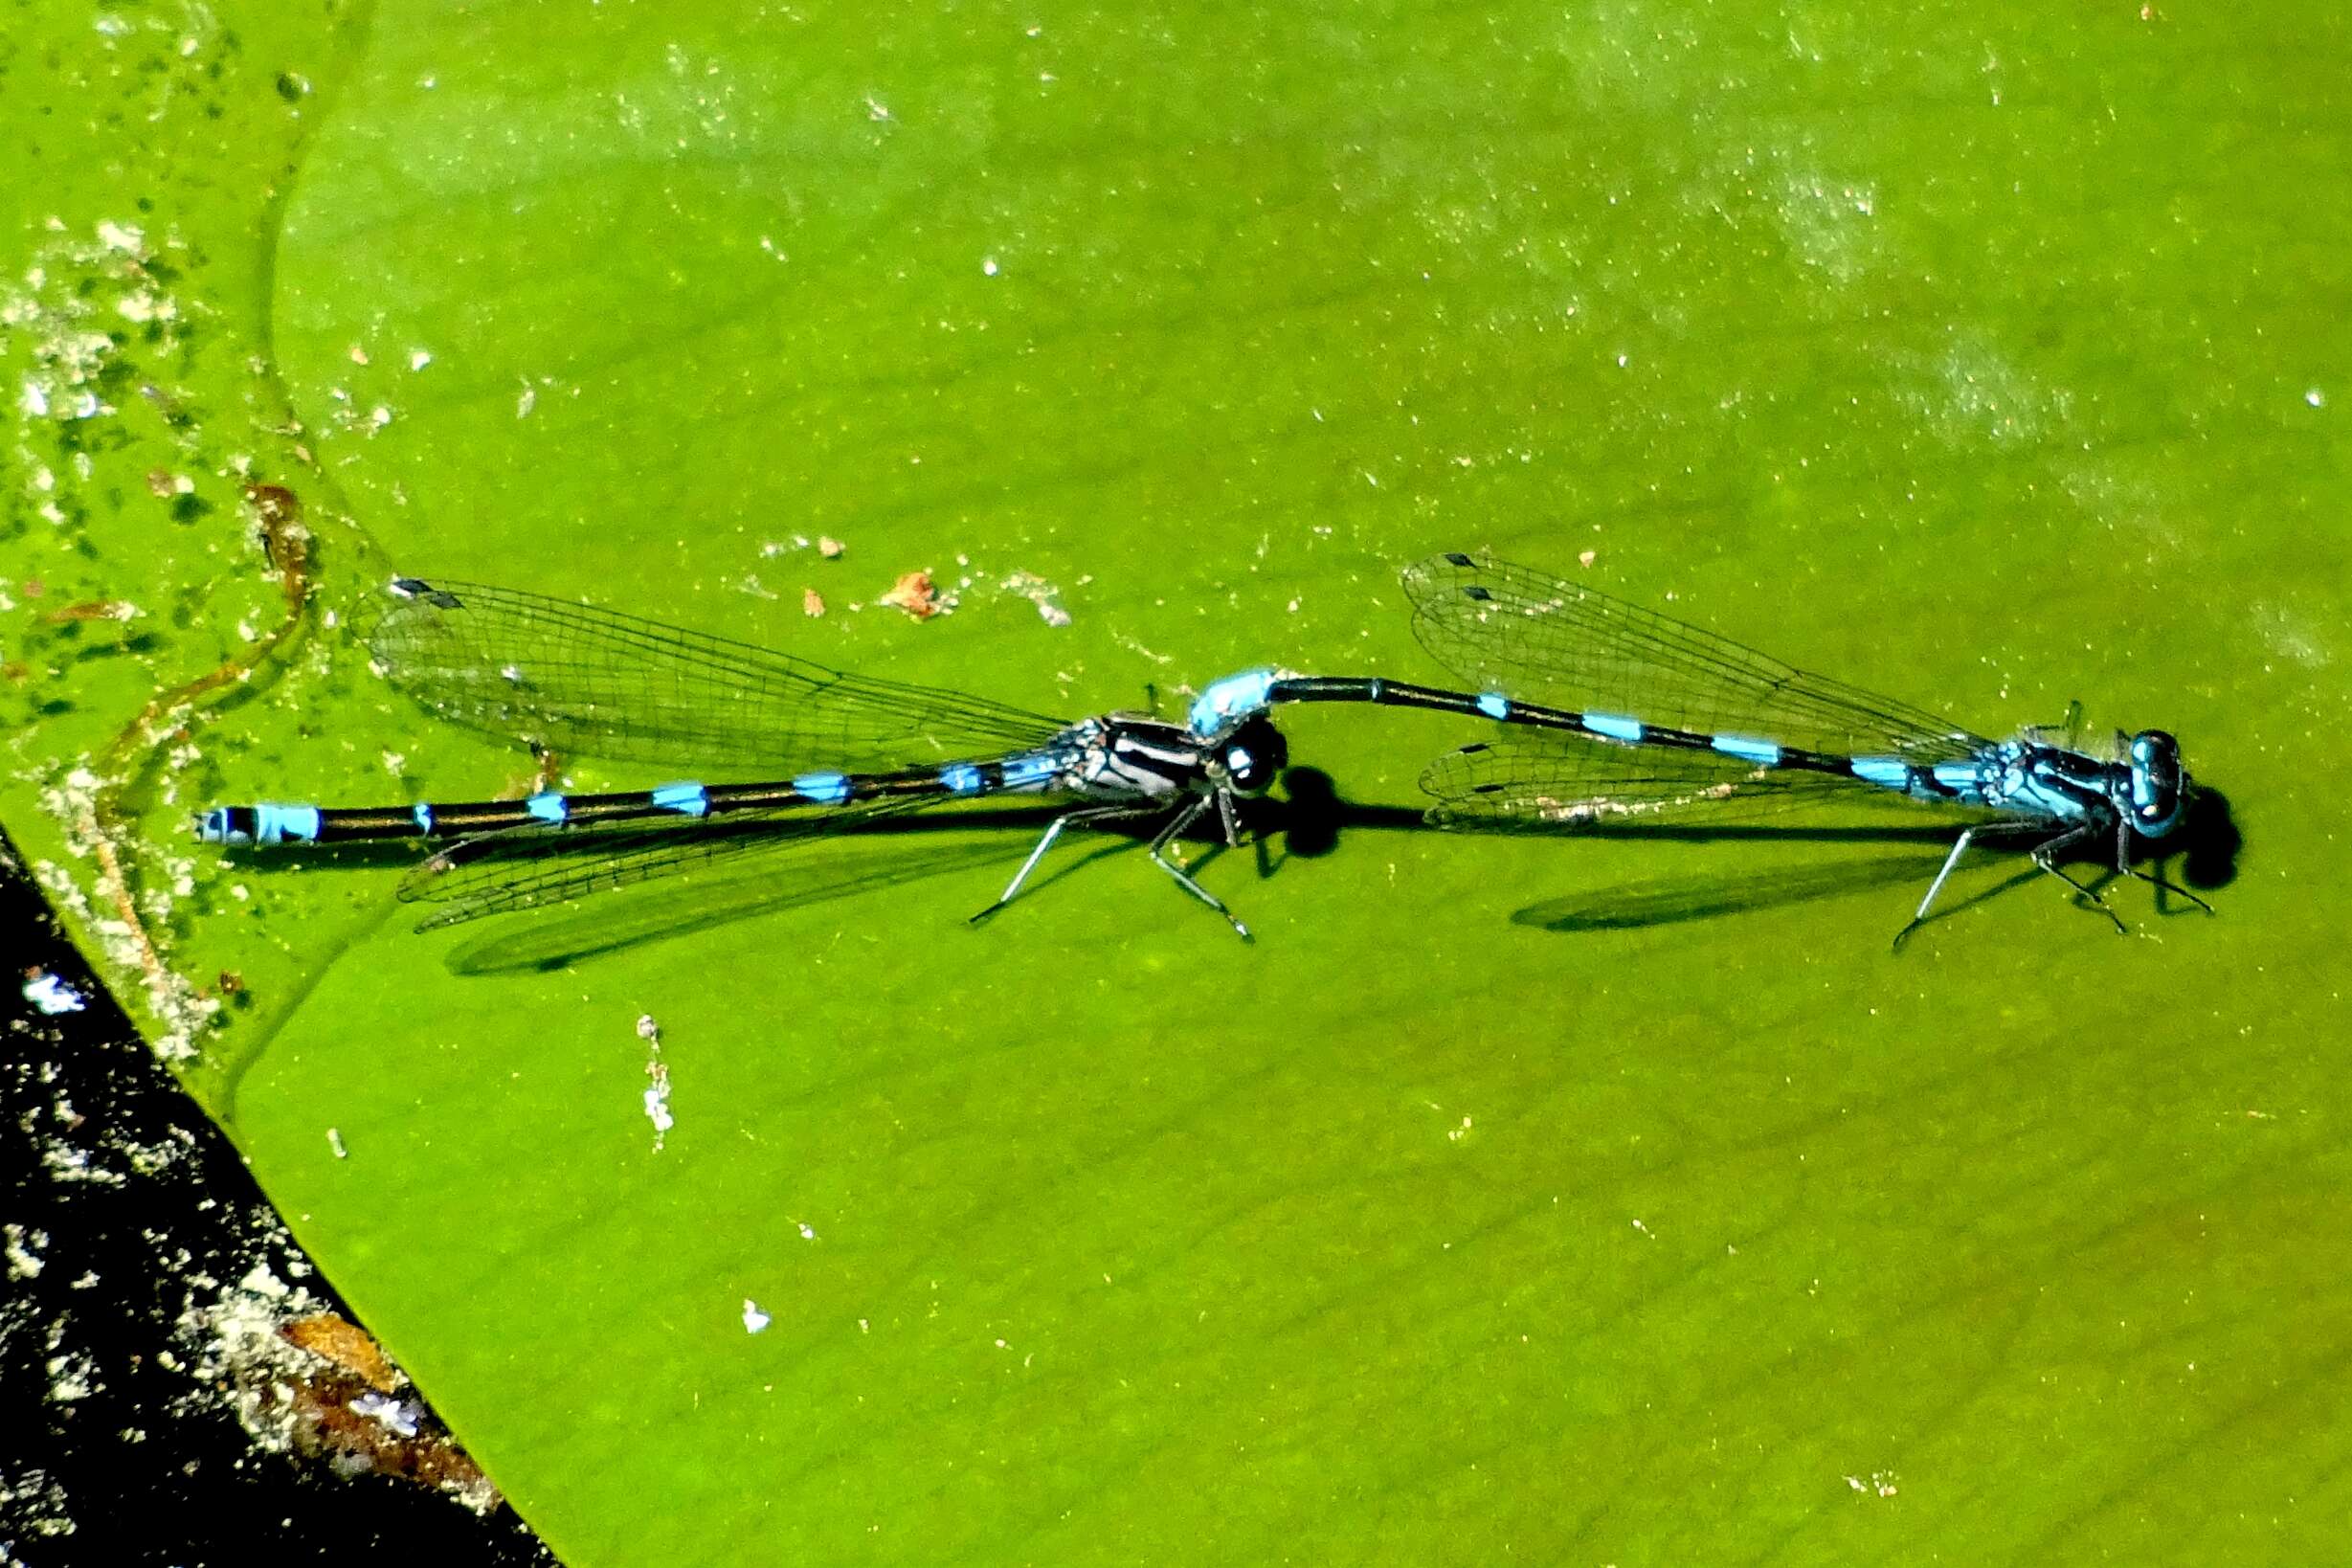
(2159,784)
(1252,757)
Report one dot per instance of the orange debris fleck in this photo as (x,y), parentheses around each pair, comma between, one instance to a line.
(915,594)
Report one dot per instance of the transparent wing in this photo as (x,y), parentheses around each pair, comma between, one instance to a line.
(1536,637)
(527,867)
(579,679)
(1569,783)
(842,870)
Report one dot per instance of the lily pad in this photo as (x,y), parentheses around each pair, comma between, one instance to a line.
(1540,1196)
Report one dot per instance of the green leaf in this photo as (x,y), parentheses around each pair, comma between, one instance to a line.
(1556,1198)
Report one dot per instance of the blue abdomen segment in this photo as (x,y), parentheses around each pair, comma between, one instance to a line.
(1961,781)
(1764,754)
(1038,770)
(1615,727)
(1993,781)
(826,788)
(686,799)
(266,823)
(551,812)
(1887,772)
(287,824)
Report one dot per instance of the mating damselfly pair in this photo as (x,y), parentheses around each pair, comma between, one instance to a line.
(1609,713)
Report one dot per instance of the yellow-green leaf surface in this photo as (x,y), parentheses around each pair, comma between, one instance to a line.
(1513,1198)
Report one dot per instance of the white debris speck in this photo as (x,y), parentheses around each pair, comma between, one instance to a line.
(658,1091)
(830,547)
(657,1102)
(53,995)
(33,399)
(379,417)
(23,1251)
(72,1377)
(419,358)
(1038,592)
(875,108)
(528,401)
(808,1232)
(118,236)
(2317,398)
(359,354)
(261,1281)
(988,267)
(753,1319)
(334,1141)
(397,1416)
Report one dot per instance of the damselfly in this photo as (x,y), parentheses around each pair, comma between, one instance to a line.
(1619,714)
(828,754)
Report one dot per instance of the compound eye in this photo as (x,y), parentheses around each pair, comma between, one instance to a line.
(2160,783)
(1253,759)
